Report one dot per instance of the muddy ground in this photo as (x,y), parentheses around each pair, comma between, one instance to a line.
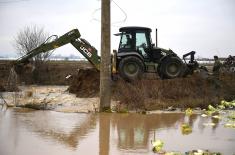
(148,94)
(152,93)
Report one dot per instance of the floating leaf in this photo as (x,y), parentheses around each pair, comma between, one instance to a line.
(224,103)
(221,107)
(211,108)
(186,129)
(157,145)
(228,104)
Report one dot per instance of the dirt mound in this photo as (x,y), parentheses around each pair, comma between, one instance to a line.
(85,83)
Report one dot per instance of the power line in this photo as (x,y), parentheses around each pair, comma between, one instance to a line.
(94,12)
(114,23)
(121,21)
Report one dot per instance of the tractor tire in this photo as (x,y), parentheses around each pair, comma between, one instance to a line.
(171,67)
(131,68)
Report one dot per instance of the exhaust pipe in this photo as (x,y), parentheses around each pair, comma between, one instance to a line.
(156,39)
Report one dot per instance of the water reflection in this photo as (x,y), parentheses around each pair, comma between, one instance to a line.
(72,138)
(59,133)
(104,134)
(133,130)
(66,129)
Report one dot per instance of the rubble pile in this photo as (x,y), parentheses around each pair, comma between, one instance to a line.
(85,83)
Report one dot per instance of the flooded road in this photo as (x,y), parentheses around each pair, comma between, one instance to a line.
(28,132)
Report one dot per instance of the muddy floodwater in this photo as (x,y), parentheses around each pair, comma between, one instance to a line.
(29,132)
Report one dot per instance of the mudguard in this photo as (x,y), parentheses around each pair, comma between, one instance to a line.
(124,54)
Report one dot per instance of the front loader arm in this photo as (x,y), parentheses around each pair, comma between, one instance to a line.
(73,37)
(88,51)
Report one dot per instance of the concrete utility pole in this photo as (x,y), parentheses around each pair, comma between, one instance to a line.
(105,66)
(104,134)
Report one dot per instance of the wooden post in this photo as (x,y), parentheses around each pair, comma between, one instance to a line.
(105,66)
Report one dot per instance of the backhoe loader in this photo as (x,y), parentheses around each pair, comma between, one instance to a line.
(135,56)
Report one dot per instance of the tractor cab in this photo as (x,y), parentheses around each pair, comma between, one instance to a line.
(135,40)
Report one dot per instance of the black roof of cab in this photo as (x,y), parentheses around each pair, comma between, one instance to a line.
(134,28)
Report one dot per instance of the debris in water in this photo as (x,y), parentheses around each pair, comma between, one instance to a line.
(157,146)
(204,115)
(201,152)
(211,110)
(68,76)
(228,104)
(186,129)
(171,108)
(173,153)
(209,124)
(216,117)
(229,125)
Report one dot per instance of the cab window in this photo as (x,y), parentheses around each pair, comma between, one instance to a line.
(141,43)
(126,41)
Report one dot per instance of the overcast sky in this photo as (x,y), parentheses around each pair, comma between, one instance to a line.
(205,26)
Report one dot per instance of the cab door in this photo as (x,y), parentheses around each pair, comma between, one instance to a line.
(127,42)
(142,44)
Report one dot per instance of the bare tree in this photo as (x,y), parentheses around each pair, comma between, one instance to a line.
(29,38)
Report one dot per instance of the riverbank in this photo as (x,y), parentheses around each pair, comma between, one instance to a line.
(80,90)
(196,91)
(58,98)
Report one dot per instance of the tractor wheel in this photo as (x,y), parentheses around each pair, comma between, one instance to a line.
(171,67)
(131,68)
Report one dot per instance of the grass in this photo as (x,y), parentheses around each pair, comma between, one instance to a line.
(190,92)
